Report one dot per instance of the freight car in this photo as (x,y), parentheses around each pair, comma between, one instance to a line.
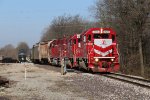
(43,52)
(94,50)
(39,52)
(35,53)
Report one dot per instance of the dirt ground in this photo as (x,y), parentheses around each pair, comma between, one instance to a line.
(38,83)
(44,82)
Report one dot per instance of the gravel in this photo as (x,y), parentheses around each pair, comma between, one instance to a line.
(44,82)
(102,88)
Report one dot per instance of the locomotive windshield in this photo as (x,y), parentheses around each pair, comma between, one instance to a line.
(99,36)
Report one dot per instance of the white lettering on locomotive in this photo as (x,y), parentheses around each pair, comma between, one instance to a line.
(103,53)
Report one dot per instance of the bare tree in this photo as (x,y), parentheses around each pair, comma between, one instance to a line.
(8,51)
(64,25)
(23,46)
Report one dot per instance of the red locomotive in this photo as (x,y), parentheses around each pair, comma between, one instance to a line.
(56,51)
(94,50)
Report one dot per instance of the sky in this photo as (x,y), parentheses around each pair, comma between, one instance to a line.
(26,20)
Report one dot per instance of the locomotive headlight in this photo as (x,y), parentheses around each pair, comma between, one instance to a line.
(112,59)
(96,59)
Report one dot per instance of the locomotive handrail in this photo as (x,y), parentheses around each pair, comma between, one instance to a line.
(104,57)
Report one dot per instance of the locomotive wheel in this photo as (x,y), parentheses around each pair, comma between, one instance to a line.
(78,68)
(42,62)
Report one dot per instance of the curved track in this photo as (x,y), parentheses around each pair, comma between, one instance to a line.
(132,77)
(129,79)
(139,81)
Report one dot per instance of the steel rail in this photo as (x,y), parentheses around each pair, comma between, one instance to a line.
(127,81)
(131,77)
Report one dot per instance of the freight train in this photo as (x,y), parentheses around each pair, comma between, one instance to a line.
(21,55)
(94,50)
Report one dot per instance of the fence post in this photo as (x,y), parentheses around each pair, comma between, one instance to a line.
(63,66)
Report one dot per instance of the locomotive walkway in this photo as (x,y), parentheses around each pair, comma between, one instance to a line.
(45,82)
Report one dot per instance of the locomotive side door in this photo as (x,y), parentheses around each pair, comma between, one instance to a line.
(89,47)
(84,51)
(76,48)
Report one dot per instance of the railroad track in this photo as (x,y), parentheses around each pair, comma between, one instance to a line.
(139,81)
(129,79)
(133,77)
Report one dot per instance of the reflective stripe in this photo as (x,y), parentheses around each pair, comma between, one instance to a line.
(103,53)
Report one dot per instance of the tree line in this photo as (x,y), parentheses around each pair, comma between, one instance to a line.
(65,25)
(131,20)
(12,52)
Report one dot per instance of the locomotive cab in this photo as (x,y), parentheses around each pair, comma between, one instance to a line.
(102,50)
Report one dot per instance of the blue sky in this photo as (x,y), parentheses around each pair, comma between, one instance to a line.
(26,20)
